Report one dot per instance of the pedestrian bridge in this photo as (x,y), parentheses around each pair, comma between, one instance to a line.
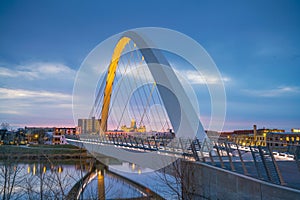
(257,162)
(140,83)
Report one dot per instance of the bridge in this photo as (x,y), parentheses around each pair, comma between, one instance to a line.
(142,87)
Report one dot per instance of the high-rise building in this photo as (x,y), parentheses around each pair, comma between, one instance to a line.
(89,125)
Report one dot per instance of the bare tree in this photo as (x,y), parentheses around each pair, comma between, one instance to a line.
(5,125)
(30,183)
(177,178)
(45,178)
(10,177)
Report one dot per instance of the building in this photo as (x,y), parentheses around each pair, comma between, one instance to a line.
(38,135)
(89,125)
(33,129)
(295,130)
(59,135)
(252,137)
(68,130)
(2,135)
(283,140)
(133,127)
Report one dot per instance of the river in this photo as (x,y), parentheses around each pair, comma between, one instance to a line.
(54,179)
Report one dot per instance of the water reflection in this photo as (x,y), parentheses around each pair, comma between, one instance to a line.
(45,179)
(38,179)
(43,168)
(129,168)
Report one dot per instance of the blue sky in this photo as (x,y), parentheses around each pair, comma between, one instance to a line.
(255,44)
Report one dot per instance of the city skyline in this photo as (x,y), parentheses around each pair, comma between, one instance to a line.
(254,44)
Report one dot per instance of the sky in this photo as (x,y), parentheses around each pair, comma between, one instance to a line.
(255,45)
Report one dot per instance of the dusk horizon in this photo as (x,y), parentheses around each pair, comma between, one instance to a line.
(150,99)
(255,46)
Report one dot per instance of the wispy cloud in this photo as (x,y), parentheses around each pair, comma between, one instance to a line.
(6,93)
(34,105)
(275,92)
(37,70)
(36,93)
(196,78)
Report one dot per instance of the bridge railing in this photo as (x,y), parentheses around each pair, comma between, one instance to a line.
(255,161)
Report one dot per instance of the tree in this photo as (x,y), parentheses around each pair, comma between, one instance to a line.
(5,125)
(10,177)
(177,177)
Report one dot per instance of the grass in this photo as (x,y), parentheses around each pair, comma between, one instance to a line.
(39,150)
(64,146)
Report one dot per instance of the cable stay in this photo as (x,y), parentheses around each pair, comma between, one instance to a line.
(147,105)
(124,107)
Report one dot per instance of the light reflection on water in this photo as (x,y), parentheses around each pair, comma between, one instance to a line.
(53,180)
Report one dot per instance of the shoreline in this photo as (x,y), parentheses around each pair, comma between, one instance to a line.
(42,152)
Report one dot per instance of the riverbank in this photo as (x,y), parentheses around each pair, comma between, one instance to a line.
(42,152)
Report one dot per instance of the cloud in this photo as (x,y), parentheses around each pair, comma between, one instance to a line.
(37,70)
(196,78)
(276,92)
(33,106)
(36,93)
(6,93)
(9,73)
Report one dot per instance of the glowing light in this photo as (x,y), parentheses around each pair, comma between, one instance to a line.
(296,130)
(34,169)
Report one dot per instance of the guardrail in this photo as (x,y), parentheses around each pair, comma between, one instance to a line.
(255,161)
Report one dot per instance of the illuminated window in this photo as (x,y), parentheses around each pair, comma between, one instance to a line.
(287,139)
(297,138)
(265,134)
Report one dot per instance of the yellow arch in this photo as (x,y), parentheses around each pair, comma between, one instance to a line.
(110,80)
